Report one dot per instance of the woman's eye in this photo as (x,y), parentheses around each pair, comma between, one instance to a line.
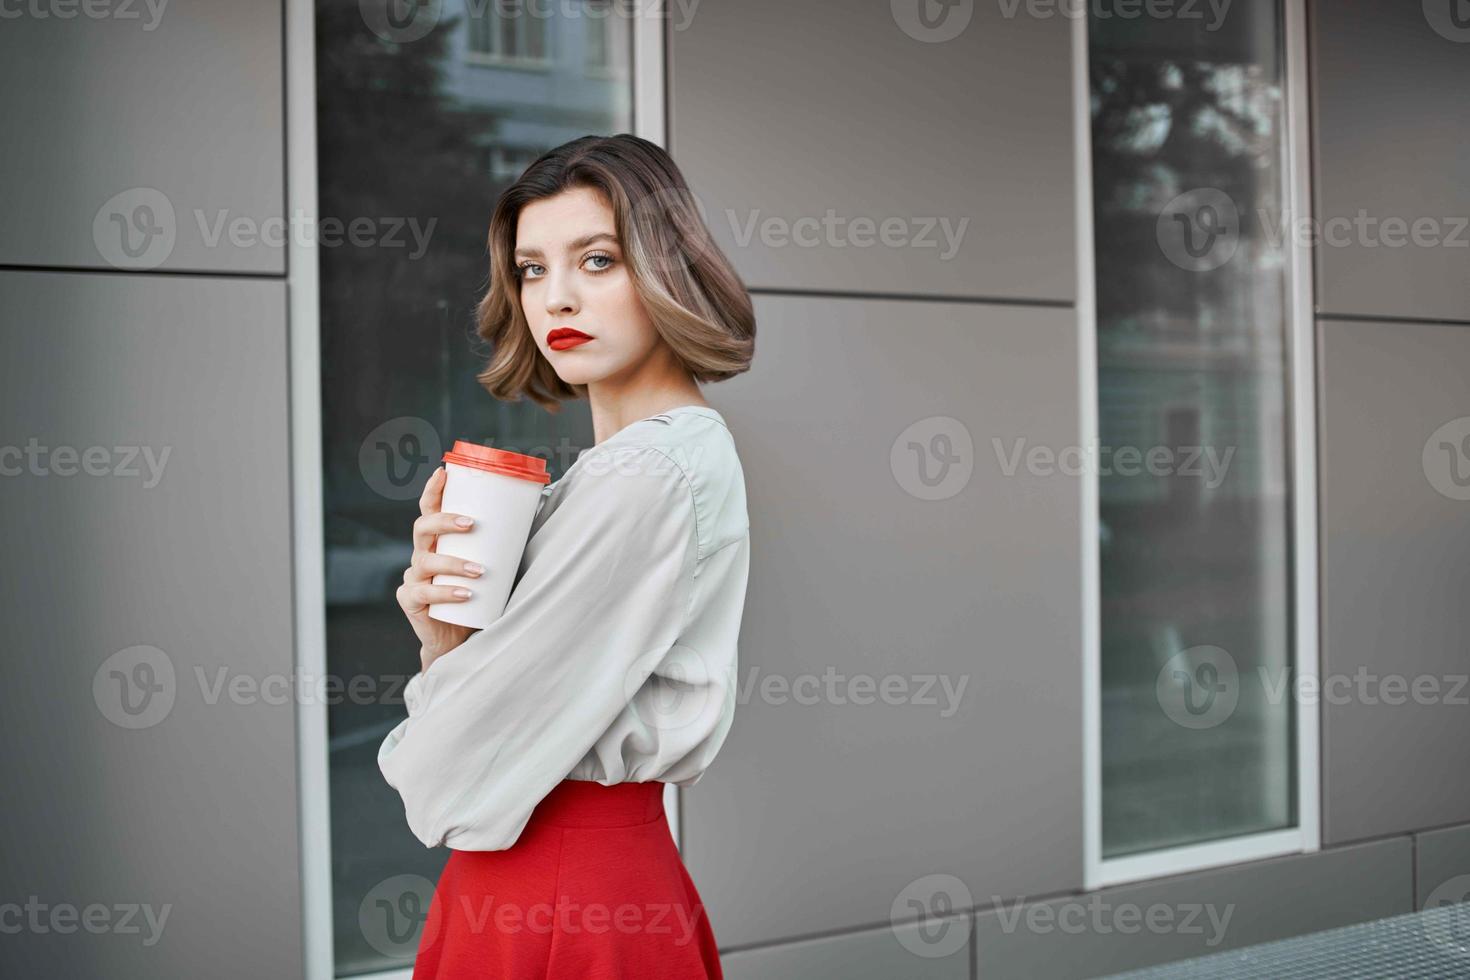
(526,266)
(601,257)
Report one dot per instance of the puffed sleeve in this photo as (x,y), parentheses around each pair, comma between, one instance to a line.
(603,595)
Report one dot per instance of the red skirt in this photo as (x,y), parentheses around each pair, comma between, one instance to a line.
(593,889)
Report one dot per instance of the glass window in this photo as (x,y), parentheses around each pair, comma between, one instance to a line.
(1194,496)
(508,30)
(599,35)
(414,146)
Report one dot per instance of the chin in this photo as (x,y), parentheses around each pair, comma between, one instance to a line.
(582,371)
(579,374)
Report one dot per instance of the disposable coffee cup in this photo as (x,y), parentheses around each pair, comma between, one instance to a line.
(500,490)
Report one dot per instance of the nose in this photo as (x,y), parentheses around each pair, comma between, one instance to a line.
(561,296)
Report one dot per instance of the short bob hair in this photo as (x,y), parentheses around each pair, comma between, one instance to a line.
(697,302)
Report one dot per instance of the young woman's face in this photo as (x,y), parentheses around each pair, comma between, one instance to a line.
(575,277)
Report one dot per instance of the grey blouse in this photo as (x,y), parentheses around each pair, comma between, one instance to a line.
(615,658)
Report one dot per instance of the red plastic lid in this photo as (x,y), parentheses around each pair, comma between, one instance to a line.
(501,461)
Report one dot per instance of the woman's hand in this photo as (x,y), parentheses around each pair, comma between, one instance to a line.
(418,589)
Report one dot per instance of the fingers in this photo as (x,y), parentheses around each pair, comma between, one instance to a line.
(417,597)
(418,592)
(426,564)
(433,496)
(428,526)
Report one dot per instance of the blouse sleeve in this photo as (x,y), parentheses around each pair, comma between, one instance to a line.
(498,721)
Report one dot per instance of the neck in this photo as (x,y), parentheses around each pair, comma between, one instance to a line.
(657,386)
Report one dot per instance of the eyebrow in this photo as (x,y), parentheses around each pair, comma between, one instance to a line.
(583,242)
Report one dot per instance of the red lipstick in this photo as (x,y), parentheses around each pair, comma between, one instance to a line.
(564,338)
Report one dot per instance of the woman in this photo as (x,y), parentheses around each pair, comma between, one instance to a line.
(538,748)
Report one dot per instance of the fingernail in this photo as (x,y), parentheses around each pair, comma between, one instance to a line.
(473,567)
(464,521)
(462,593)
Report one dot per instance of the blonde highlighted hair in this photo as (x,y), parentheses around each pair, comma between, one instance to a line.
(694,297)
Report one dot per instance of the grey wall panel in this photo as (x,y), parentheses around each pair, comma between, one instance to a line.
(147,586)
(821,810)
(937,950)
(783,112)
(1134,926)
(1442,866)
(138,126)
(1395,531)
(1392,135)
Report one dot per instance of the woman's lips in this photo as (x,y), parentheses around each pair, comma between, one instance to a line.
(564,338)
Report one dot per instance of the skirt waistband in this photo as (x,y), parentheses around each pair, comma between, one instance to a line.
(585,803)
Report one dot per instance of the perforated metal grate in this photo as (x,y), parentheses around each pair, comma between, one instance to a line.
(1429,945)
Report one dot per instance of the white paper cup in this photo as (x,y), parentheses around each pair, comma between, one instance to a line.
(500,490)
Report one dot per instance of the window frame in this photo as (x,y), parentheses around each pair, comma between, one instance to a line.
(1305,837)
